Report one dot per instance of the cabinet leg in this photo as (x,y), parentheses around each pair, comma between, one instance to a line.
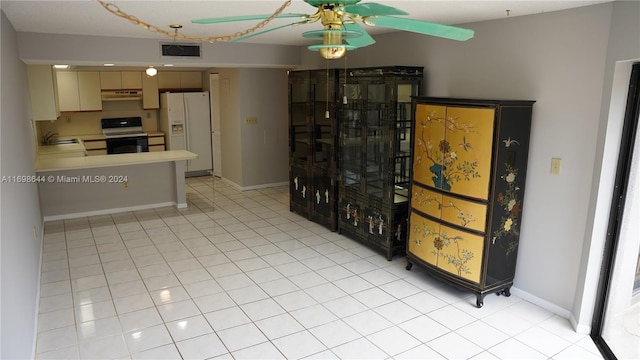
(409,266)
(479,301)
(506,292)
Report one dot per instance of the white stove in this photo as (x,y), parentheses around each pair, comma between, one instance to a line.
(125,135)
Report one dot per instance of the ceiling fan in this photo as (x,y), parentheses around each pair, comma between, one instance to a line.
(341,29)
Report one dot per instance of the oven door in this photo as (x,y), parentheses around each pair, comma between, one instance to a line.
(129,144)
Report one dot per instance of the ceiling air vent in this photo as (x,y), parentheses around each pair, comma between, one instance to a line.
(185,50)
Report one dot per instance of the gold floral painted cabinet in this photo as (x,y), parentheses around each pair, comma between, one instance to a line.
(467,187)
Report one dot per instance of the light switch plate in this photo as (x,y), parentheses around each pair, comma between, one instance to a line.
(555,166)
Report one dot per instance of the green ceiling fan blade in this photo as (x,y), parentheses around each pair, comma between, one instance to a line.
(372,9)
(266,31)
(243,18)
(359,41)
(422,27)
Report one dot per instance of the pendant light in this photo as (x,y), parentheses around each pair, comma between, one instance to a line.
(151,71)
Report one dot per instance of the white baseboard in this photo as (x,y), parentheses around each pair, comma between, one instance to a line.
(542,303)
(108,211)
(231,183)
(253,187)
(37,311)
(264,186)
(579,328)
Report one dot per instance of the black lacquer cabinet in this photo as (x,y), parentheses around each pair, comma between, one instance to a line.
(312,145)
(374,154)
(467,187)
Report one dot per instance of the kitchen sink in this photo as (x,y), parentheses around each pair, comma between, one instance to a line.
(62,141)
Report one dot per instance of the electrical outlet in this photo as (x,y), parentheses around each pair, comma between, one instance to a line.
(555,166)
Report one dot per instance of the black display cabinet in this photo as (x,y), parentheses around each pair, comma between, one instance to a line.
(375,125)
(313,135)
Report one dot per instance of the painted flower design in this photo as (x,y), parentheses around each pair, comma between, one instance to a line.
(446,166)
(511,177)
(438,243)
(506,234)
(507,224)
(444,146)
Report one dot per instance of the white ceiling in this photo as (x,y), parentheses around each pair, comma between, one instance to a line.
(88,17)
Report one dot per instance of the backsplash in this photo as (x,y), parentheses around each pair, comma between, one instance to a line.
(85,123)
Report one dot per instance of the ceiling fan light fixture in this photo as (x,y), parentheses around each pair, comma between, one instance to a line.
(151,71)
(332,46)
(331,51)
(334,52)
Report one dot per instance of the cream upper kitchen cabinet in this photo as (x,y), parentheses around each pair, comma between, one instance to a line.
(42,91)
(117,80)
(180,80)
(150,97)
(68,92)
(79,91)
(89,86)
(131,80)
(191,80)
(110,80)
(168,79)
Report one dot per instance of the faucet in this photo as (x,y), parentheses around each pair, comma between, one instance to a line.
(47,137)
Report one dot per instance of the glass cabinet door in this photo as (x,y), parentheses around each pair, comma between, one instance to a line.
(377,138)
(351,135)
(323,119)
(402,141)
(299,112)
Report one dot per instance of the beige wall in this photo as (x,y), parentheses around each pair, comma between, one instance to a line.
(146,186)
(20,219)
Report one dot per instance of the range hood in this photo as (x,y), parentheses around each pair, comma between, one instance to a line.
(121,95)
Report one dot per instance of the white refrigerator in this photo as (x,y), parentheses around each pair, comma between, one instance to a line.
(185,119)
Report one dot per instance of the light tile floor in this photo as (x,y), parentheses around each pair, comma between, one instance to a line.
(236,275)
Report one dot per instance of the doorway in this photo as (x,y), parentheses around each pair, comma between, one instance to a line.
(616,324)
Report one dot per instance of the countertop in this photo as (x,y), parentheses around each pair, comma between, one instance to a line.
(94,137)
(101,136)
(53,149)
(97,161)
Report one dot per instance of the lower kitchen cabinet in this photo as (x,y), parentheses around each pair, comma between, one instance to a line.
(467,188)
(95,146)
(156,142)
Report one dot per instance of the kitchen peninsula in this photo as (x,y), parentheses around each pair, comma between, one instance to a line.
(93,185)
